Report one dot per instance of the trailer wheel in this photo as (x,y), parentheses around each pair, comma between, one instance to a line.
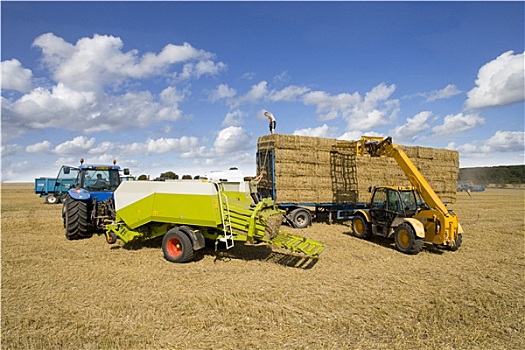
(406,240)
(50,199)
(360,227)
(75,219)
(177,247)
(301,218)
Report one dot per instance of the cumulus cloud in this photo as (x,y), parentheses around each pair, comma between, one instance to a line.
(501,141)
(79,145)
(321,131)
(231,139)
(500,82)
(255,94)
(288,94)
(372,110)
(233,118)
(15,77)
(413,127)
(39,147)
(448,91)
(458,123)
(222,92)
(88,76)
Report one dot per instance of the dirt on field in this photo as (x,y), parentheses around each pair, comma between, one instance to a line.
(60,294)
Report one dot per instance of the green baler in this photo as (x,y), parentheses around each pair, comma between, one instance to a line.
(187,212)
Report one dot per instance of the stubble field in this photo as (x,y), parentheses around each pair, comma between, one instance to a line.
(60,294)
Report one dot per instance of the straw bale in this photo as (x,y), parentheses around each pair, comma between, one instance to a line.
(310,169)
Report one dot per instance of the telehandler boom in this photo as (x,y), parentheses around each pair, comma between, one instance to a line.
(397,211)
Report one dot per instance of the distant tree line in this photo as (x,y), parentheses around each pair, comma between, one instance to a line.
(498,175)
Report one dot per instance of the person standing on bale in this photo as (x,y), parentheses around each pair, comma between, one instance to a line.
(253,188)
(272,121)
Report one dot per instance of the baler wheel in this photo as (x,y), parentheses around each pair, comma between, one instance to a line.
(176,246)
(111,238)
(406,240)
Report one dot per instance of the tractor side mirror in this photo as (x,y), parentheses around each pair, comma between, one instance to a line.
(67,170)
(126,171)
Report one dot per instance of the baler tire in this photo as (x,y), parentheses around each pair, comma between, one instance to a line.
(361,227)
(111,238)
(406,240)
(301,218)
(177,246)
(76,219)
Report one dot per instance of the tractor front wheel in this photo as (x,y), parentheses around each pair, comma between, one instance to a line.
(176,246)
(406,240)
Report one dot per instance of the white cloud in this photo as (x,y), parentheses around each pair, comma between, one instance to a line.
(359,112)
(505,141)
(413,126)
(223,91)
(88,77)
(231,139)
(448,91)
(501,141)
(79,145)
(458,123)
(164,145)
(257,92)
(40,147)
(233,118)
(288,94)
(321,131)
(500,82)
(15,77)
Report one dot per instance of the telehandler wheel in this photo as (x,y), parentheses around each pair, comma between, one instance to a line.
(459,240)
(301,218)
(75,219)
(360,227)
(176,246)
(406,240)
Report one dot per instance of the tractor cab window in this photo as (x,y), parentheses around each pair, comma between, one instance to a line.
(100,180)
(394,202)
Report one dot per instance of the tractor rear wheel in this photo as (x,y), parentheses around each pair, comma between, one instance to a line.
(177,247)
(406,240)
(75,219)
(360,227)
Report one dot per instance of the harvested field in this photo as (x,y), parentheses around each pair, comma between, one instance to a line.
(60,294)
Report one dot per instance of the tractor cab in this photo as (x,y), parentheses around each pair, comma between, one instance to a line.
(391,202)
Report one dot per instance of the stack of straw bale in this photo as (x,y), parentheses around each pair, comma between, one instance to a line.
(320,170)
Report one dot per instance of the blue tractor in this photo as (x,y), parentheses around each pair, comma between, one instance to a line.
(88,204)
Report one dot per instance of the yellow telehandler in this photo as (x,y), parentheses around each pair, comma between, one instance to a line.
(411,215)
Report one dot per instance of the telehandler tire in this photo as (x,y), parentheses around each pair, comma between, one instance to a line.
(406,240)
(75,219)
(360,227)
(459,240)
(177,247)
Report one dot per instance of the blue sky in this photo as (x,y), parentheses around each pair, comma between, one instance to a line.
(182,86)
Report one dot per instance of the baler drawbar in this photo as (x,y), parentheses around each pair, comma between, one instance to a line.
(188,212)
